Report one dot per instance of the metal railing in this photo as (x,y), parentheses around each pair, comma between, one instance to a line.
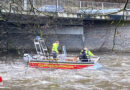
(69,6)
(74,5)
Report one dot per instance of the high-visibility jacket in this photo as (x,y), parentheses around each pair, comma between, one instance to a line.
(55,47)
(87,52)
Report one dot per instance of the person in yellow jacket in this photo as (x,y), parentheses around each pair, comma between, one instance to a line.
(85,54)
(55,49)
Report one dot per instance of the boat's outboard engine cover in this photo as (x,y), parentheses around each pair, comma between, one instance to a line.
(27,57)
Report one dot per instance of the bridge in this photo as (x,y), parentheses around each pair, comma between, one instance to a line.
(80,22)
(70,9)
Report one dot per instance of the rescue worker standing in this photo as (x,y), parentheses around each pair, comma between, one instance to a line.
(85,55)
(55,49)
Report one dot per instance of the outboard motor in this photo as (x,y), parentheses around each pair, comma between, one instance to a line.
(62,56)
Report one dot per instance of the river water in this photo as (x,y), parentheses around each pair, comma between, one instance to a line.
(113,75)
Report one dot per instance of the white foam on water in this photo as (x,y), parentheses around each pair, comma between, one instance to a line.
(125,64)
(75,86)
(45,82)
(80,87)
(96,66)
(125,80)
(17,75)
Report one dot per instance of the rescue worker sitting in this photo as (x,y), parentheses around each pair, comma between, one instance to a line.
(85,55)
(55,49)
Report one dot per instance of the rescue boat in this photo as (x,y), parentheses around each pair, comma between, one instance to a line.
(43,60)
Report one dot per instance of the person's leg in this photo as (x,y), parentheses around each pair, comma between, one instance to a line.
(54,55)
(85,58)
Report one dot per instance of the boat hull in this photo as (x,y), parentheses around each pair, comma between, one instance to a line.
(57,65)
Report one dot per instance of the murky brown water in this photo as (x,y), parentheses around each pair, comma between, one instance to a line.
(114,75)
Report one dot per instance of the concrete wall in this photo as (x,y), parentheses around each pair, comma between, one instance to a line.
(21,37)
(99,35)
(70,36)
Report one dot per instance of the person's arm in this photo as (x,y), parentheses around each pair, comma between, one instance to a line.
(90,53)
(56,49)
